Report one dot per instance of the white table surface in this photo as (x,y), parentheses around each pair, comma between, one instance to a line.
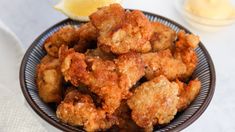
(29,18)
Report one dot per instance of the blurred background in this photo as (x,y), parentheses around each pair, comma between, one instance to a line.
(29,18)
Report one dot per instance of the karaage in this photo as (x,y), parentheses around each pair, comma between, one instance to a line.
(162,63)
(99,75)
(154,102)
(121,31)
(100,54)
(130,69)
(184,51)
(49,79)
(162,37)
(87,38)
(79,110)
(187,93)
(108,79)
(125,122)
(68,35)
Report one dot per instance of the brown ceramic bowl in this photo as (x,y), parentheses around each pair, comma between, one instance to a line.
(205,72)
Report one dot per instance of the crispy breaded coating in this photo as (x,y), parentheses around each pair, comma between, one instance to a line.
(130,69)
(187,93)
(79,110)
(100,54)
(108,18)
(87,38)
(108,79)
(184,51)
(187,40)
(162,63)
(49,80)
(181,64)
(99,75)
(67,35)
(104,82)
(162,37)
(73,67)
(125,122)
(120,31)
(81,38)
(154,102)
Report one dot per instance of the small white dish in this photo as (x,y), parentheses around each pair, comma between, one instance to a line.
(202,23)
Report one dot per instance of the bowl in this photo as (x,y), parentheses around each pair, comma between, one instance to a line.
(202,23)
(205,72)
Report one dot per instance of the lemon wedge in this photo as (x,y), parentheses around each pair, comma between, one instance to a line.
(81,9)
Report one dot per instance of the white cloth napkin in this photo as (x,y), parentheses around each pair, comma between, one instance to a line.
(14,114)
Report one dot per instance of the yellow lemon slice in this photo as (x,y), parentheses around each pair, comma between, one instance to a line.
(81,9)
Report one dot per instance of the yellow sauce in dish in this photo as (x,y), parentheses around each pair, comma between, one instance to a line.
(213,9)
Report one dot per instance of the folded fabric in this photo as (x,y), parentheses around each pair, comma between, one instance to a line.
(14,114)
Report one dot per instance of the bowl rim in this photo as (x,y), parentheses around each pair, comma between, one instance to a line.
(62,127)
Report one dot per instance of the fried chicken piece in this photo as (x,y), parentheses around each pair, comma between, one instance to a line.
(73,66)
(108,18)
(81,38)
(120,31)
(154,102)
(184,51)
(162,63)
(186,40)
(187,93)
(87,38)
(79,110)
(67,35)
(63,52)
(130,68)
(108,79)
(179,65)
(84,90)
(125,122)
(104,82)
(49,79)
(99,75)
(100,54)
(162,37)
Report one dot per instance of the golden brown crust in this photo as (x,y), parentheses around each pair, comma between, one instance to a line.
(49,80)
(108,18)
(100,54)
(99,75)
(121,32)
(81,38)
(125,122)
(108,79)
(187,93)
(162,63)
(87,38)
(162,37)
(179,64)
(68,35)
(154,102)
(78,109)
(184,51)
(130,69)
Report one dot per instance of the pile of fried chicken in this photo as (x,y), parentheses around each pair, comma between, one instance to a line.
(118,71)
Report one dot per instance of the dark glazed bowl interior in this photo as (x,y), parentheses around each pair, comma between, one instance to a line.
(205,72)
